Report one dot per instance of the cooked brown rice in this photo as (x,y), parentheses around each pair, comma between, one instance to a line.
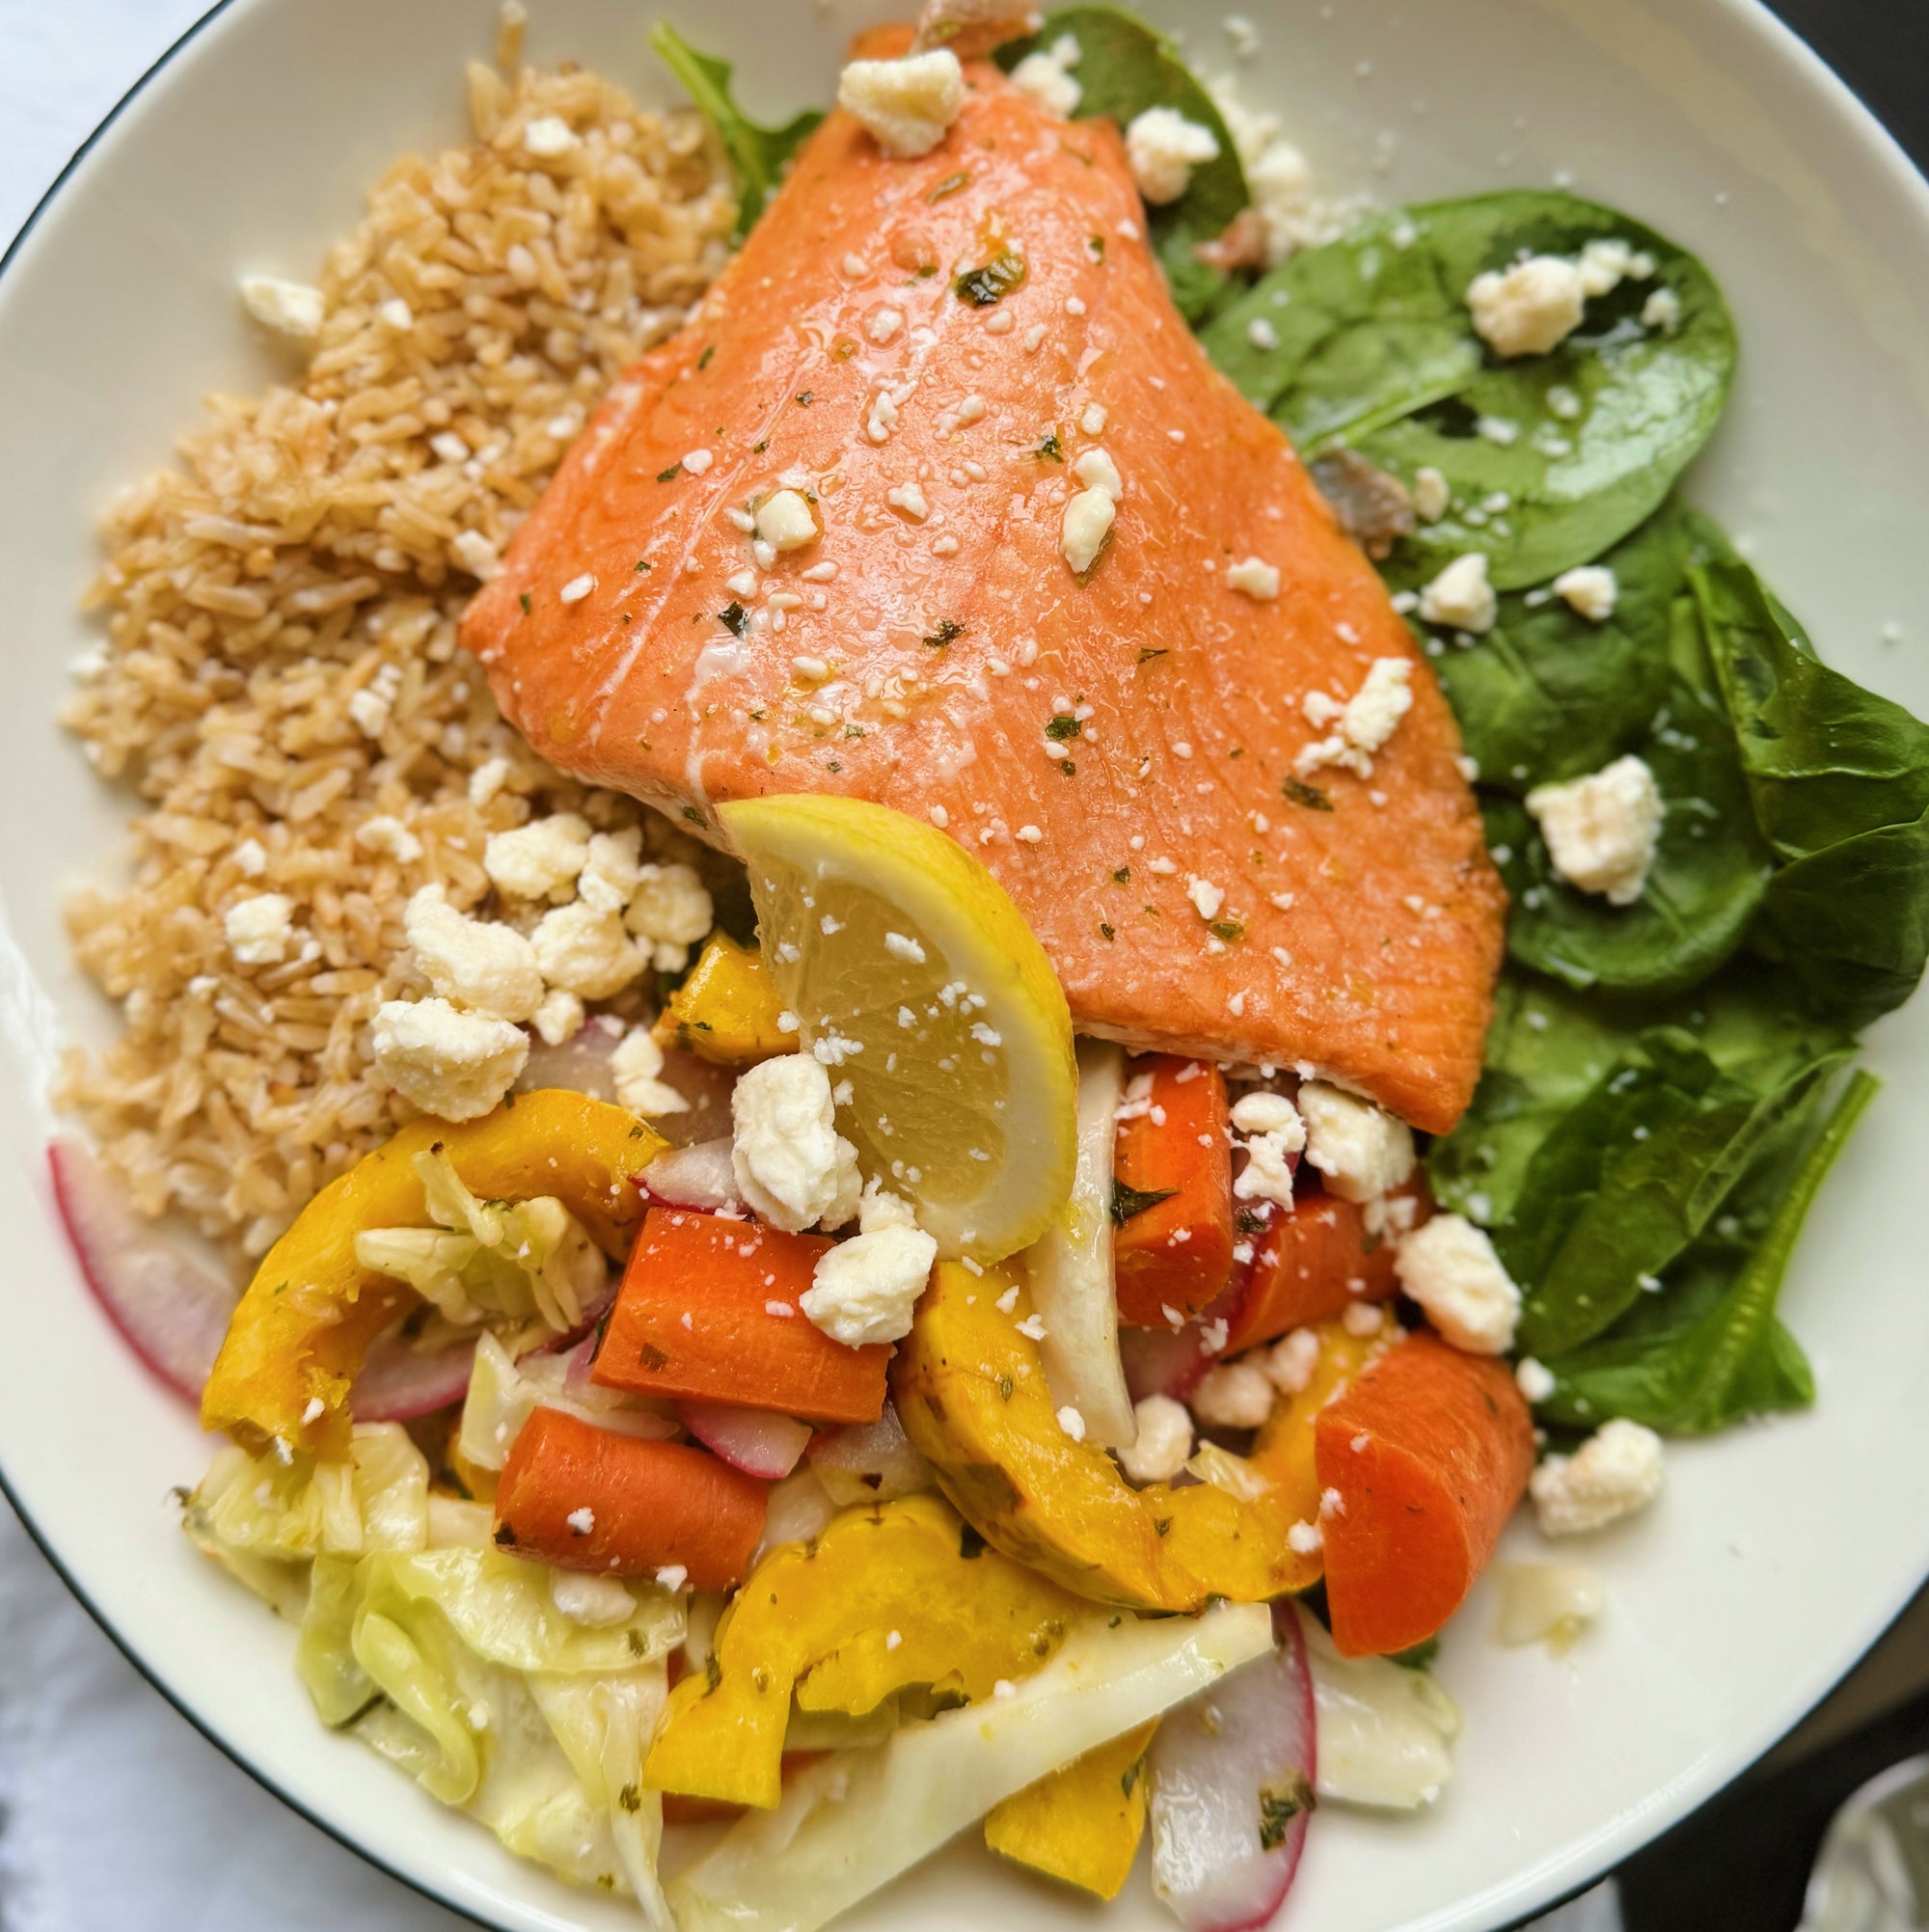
(281,665)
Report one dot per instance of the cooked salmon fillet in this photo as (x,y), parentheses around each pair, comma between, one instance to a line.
(1126,748)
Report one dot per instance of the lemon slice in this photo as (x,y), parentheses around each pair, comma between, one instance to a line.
(914,979)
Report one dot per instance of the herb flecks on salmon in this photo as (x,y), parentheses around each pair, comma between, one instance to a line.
(1310,953)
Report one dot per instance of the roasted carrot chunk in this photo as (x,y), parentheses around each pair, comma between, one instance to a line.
(1429,1450)
(1176,1253)
(1309,1264)
(586,1498)
(708,1310)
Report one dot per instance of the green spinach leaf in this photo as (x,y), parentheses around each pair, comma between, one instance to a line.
(1124,68)
(1549,695)
(1724,1355)
(757,154)
(1553,458)
(1342,340)
(1839,783)
(1630,1179)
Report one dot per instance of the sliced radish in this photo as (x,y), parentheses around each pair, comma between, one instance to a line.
(399,1384)
(1232,1787)
(172,1311)
(700,1177)
(752,1440)
(870,1461)
(580,1063)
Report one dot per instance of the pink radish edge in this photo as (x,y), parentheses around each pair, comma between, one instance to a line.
(753,1440)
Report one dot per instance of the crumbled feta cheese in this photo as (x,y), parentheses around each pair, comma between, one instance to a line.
(1366,720)
(610,872)
(884,323)
(1041,75)
(475,553)
(1603,265)
(670,912)
(1087,523)
(1093,421)
(1614,1473)
(559,1018)
(487,968)
(580,1521)
(786,1149)
(880,1208)
(1268,1174)
(597,1602)
(863,1290)
(1590,588)
(1207,898)
(396,314)
(1096,471)
(1535,1379)
(1431,494)
(585,951)
(906,105)
(784,521)
(1462,596)
(257,929)
(1305,1538)
(1291,1361)
(487,780)
(1362,1318)
(290,308)
(1601,831)
(909,499)
(698,462)
(388,834)
(1661,310)
(1163,148)
(1361,1149)
(1262,335)
(883,418)
(548,136)
(538,860)
(1450,1268)
(1266,1113)
(1257,580)
(251,857)
(457,1066)
(634,1070)
(1529,309)
(1164,1443)
(1232,1395)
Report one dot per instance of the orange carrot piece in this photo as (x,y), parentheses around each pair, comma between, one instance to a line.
(1429,1450)
(586,1498)
(1305,1265)
(1177,1254)
(708,1310)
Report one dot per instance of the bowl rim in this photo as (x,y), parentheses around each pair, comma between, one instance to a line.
(1803,64)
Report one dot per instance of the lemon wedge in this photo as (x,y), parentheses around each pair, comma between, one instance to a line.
(917,983)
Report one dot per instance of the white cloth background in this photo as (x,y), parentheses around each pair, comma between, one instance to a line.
(114,1812)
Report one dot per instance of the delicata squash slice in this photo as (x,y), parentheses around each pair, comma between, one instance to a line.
(974,1399)
(299,1333)
(897,1594)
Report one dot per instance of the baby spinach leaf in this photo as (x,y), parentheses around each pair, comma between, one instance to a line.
(1549,695)
(1584,442)
(757,154)
(1631,1178)
(1124,68)
(1342,340)
(1709,874)
(1724,1355)
(1840,782)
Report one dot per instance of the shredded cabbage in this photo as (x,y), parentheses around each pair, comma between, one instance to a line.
(458,1665)
(1384,1729)
(530,1263)
(853,1822)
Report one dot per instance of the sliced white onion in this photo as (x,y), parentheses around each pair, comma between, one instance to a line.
(1070,1270)
(753,1440)
(1232,1787)
(581,1065)
(170,1311)
(1384,1729)
(700,1177)
(799,1510)
(870,1461)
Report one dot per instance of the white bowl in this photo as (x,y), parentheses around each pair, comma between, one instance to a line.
(1777,1553)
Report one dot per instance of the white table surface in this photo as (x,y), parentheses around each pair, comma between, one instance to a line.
(114,1812)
